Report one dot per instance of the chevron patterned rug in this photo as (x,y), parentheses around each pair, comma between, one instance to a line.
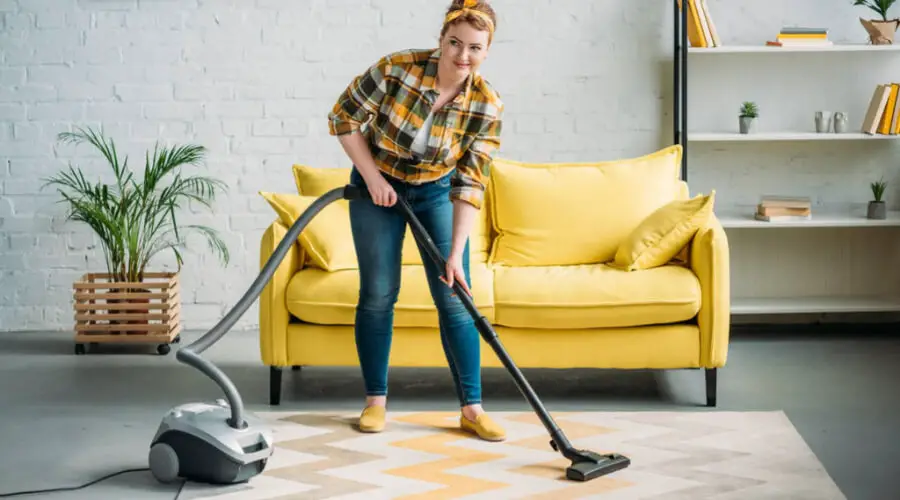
(422,455)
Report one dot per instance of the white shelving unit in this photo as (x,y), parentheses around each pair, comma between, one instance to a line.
(827,275)
(816,305)
(742,217)
(765,49)
(785,136)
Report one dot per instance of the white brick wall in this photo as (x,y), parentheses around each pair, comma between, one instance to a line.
(253,81)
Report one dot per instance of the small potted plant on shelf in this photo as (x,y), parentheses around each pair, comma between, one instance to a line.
(748,114)
(135,219)
(877,207)
(881,31)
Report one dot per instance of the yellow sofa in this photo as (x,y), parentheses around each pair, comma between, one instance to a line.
(547,271)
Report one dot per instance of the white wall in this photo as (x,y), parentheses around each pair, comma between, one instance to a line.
(253,81)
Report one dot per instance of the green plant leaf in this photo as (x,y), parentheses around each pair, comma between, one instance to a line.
(136,219)
(880,7)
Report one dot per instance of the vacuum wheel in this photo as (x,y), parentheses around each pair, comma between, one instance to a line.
(163,349)
(163,463)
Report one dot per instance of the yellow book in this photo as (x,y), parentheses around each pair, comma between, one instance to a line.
(884,126)
(802,35)
(694,30)
(895,128)
(694,18)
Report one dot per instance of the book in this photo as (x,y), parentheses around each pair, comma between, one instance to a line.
(781,218)
(783,201)
(701,30)
(876,109)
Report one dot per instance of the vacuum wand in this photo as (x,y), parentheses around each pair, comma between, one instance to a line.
(586,465)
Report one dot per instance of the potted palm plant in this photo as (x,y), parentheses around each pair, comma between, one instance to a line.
(135,220)
(881,31)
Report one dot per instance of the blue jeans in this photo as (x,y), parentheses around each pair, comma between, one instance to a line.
(378,234)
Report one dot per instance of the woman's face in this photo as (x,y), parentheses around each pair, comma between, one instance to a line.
(463,49)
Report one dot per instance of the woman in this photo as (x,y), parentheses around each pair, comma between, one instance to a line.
(423,125)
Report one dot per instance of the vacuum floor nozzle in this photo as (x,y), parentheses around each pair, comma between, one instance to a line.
(589,465)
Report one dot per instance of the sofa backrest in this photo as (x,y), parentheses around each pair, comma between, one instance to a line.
(549,214)
(316,181)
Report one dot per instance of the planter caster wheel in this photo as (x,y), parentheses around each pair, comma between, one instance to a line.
(79,348)
(163,349)
(177,339)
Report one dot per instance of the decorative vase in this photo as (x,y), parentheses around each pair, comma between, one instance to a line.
(823,121)
(880,32)
(748,124)
(840,122)
(877,210)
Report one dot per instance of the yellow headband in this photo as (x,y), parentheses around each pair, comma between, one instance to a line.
(468,8)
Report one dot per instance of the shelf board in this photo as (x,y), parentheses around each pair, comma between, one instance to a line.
(784,136)
(765,49)
(743,218)
(826,304)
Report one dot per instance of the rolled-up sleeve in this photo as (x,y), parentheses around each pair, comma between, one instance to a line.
(360,101)
(473,170)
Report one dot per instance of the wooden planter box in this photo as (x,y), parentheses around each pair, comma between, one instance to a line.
(125,312)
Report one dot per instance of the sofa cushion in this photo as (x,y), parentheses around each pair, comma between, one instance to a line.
(593,296)
(325,238)
(316,296)
(665,233)
(555,214)
(314,181)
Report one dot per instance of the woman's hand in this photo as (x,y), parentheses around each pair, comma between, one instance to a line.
(381,191)
(454,272)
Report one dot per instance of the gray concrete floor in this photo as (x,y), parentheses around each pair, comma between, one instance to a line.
(67,419)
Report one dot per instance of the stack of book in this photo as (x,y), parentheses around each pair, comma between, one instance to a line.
(783,208)
(701,31)
(883,115)
(801,37)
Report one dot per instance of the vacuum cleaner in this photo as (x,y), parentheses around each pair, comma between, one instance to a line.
(220,443)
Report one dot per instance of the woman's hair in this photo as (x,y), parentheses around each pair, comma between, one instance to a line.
(478,13)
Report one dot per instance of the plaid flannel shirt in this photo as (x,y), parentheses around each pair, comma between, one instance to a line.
(390,101)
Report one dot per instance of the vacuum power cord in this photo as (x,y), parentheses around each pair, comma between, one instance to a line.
(83,486)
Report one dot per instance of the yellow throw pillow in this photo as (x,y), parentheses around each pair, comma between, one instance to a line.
(554,214)
(327,239)
(664,233)
(313,181)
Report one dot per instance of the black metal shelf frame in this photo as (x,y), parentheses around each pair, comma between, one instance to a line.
(679,98)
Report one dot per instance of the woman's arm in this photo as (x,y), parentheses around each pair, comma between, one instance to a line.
(464,214)
(470,180)
(358,151)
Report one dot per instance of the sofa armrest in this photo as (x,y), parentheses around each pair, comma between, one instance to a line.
(709,259)
(273,314)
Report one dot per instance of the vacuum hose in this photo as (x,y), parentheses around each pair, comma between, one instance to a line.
(190,354)
(586,465)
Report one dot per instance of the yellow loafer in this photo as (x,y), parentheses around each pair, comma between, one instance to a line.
(372,419)
(484,427)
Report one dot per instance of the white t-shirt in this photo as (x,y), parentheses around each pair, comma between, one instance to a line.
(420,143)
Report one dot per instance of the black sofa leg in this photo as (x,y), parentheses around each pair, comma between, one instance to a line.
(274,385)
(711,387)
